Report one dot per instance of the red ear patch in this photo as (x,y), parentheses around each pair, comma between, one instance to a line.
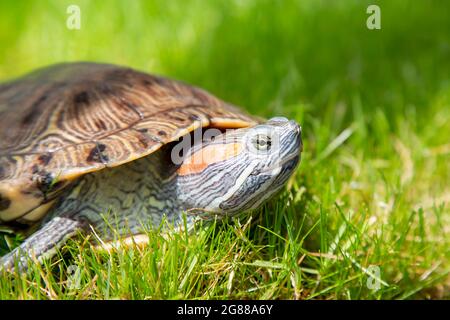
(213,153)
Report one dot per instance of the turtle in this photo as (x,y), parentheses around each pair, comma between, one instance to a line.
(85,145)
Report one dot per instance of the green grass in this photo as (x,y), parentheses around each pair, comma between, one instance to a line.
(371,196)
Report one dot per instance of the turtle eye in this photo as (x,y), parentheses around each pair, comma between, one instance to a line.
(262,142)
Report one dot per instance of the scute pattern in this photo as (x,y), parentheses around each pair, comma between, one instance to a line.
(75,118)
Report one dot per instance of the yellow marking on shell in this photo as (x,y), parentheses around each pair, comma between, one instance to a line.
(223,123)
(202,158)
(139,240)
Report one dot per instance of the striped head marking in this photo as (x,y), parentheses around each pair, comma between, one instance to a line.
(239,169)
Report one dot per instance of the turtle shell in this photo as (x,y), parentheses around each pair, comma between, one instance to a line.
(66,120)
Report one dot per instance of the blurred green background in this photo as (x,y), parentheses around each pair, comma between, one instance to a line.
(374,106)
(264,55)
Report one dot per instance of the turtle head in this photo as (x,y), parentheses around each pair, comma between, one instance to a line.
(238,170)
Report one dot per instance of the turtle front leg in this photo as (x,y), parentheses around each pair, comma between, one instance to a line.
(42,244)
